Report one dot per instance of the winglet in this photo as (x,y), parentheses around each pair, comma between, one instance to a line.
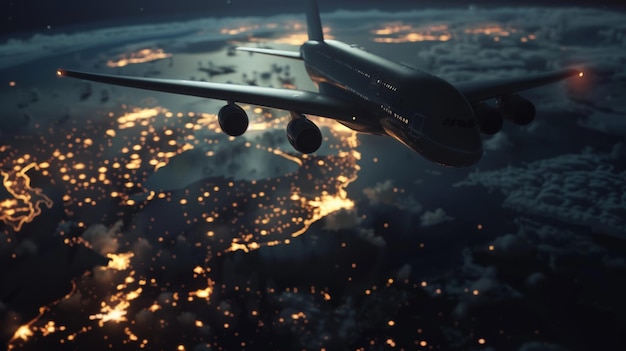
(314,24)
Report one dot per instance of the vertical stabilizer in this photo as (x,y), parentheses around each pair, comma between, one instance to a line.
(313,22)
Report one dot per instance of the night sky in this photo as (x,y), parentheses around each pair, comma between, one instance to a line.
(17,16)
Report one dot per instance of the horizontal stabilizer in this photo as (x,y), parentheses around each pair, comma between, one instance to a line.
(280,53)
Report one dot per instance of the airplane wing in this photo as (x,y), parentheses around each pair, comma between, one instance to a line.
(280,53)
(483,90)
(301,101)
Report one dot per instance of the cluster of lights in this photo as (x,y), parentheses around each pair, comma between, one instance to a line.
(141,56)
(104,163)
(403,33)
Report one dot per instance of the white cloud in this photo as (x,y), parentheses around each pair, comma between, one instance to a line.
(512,246)
(577,188)
(437,216)
(381,193)
(404,272)
(386,193)
(342,219)
(26,247)
(497,142)
(371,237)
(103,239)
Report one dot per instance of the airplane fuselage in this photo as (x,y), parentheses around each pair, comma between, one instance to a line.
(420,110)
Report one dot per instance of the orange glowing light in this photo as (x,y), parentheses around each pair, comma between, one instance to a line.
(23,332)
(141,56)
(111,314)
(491,29)
(130,119)
(120,261)
(235,31)
(27,201)
(581,74)
(204,293)
(298,315)
(403,33)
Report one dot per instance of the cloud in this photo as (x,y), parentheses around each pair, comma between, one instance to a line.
(404,272)
(186,318)
(103,239)
(26,247)
(342,219)
(584,188)
(386,193)
(472,285)
(497,142)
(371,237)
(609,123)
(512,246)
(430,218)
(382,193)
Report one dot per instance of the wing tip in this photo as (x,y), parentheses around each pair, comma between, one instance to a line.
(60,72)
(578,72)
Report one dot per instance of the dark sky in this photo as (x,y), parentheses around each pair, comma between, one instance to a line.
(27,15)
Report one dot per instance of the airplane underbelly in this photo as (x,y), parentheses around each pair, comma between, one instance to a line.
(437,151)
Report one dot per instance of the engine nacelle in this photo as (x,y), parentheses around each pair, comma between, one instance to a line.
(304,135)
(489,120)
(516,109)
(233,120)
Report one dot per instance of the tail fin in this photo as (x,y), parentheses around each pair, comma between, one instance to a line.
(314,24)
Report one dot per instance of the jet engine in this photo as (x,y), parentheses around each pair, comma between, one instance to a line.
(304,135)
(516,109)
(233,120)
(489,120)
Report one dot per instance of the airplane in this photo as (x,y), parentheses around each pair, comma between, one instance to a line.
(369,94)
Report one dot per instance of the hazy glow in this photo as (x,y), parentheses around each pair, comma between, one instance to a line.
(116,313)
(491,29)
(404,33)
(239,30)
(141,56)
(138,115)
(205,293)
(25,331)
(22,333)
(120,261)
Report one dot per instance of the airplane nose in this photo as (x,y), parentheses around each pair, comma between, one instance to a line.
(453,132)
